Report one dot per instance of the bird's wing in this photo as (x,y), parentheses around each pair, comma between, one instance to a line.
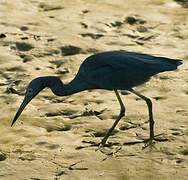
(132,60)
(123,69)
(113,71)
(154,62)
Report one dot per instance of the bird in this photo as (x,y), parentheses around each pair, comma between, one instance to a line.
(111,70)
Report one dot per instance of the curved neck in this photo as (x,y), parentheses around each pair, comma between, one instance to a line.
(59,89)
(55,84)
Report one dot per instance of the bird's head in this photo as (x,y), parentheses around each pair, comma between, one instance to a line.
(34,87)
(37,85)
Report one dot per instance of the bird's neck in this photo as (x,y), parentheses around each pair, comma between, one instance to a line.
(59,89)
(55,84)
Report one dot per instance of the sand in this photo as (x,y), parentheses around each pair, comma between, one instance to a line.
(53,137)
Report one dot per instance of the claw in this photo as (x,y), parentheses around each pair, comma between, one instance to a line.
(151,141)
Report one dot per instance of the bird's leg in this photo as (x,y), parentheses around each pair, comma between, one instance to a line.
(149,104)
(122,113)
(151,121)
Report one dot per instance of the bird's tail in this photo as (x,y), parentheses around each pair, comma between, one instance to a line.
(178,62)
(167,64)
(170,64)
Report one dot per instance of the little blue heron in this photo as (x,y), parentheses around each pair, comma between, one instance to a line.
(114,70)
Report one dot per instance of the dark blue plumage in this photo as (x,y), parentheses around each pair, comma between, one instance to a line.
(122,69)
(115,70)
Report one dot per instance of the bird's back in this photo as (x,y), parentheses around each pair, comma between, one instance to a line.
(120,59)
(123,69)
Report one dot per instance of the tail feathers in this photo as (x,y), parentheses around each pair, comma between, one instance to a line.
(178,62)
(169,64)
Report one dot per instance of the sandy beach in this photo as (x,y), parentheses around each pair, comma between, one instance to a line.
(53,137)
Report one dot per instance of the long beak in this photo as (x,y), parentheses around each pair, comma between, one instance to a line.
(21,108)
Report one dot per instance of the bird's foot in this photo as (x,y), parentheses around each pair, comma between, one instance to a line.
(151,141)
(103,144)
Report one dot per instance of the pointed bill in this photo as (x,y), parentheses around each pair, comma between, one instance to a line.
(21,108)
